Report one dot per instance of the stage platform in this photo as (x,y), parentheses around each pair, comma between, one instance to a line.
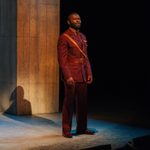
(43,132)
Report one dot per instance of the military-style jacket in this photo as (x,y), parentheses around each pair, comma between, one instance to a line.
(72,62)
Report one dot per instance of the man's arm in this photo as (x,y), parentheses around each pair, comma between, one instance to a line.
(62,48)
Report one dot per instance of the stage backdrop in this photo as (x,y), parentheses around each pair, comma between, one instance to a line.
(29,73)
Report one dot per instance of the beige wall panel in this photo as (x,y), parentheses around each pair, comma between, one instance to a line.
(37,69)
(23,18)
(37,54)
(29,74)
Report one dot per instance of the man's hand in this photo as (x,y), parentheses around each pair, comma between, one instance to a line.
(89,80)
(70,81)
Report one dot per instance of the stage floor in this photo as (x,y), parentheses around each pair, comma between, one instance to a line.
(43,132)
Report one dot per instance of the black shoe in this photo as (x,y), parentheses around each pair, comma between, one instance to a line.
(89,132)
(67,135)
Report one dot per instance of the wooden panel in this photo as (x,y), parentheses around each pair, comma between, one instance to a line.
(29,80)
(37,67)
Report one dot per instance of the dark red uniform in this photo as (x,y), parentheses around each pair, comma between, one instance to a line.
(74,64)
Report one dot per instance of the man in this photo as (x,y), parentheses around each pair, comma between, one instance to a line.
(76,74)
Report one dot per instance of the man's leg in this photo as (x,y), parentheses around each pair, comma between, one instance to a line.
(81,107)
(67,111)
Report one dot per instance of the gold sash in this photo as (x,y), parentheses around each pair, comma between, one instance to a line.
(75,45)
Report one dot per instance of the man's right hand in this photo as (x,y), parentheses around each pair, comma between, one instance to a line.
(70,81)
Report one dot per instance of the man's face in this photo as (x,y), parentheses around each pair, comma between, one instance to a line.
(74,21)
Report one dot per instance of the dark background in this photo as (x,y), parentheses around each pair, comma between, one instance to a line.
(116,49)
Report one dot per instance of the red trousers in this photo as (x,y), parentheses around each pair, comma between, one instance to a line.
(75,94)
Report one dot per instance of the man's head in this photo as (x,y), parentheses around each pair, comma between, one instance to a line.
(74,21)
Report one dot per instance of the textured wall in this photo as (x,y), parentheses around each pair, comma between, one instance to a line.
(35,67)
(8,51)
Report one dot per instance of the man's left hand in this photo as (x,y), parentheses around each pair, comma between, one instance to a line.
(89,80)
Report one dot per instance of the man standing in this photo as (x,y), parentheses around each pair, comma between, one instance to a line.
(76,74)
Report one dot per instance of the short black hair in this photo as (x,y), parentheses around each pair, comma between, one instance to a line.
(72,13)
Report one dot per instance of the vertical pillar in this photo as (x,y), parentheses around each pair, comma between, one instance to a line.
(36,81)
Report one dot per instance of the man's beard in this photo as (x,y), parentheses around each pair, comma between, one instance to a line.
(76,27)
